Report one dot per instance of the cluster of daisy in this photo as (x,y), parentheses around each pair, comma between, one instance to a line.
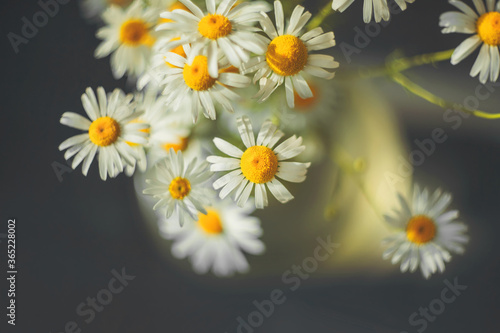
(186,59)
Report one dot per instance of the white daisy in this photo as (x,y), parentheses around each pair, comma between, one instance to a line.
(288,56)
(178,188)
(485,28)
(108,130)
(129,35)
(218,240)
(188,85)
(259,165)
(227,29)
(379,8)
(428,233)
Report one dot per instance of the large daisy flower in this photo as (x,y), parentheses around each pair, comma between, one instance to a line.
(428,232)
(188,85)
(218,240)
(485,27)
(179,188)
(227,29)
(129,34)
(288,56)
(107,132)
(377,8)
(260,164)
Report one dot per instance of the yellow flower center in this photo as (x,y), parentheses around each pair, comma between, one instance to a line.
(177,50)
(144,130)
(305,104)
(182,145)
(488,28)
(259,164)
(286,55)
(179,188)
(420,229)
(135,32)
(211,222)
(215,26)
(176,5)
(104,131)
(196,75)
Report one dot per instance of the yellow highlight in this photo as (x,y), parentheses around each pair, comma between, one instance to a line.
(135,32)
(177,50)
(420,229)
(104,131)
(176,5)
(179,188)
(182,145)
(144,130)
(196,75)
(214,26)
(488,28)
(259,164)
(210,223)
(286,55)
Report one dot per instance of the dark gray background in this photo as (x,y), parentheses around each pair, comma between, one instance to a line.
(71,234)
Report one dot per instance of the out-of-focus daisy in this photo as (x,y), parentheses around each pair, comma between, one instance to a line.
(428,232)
(218,240)
(228,30)
(189,87)
(164,128)
(288,56)
(108,131)
(179,188)
(260,164)
(485,28)
(378,8)
(129,34)
(92,9)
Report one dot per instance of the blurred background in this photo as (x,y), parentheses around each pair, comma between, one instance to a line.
(71,234)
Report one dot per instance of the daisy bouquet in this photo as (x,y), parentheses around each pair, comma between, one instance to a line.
(228,111)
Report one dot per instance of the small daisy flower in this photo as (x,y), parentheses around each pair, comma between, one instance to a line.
(218,240)
(377,8)
(485,28)
(428,233)
(178,188)
(188,85)
(92,9)
(226,30)
(260,164)
(108,131)
(288,57)
(129,35)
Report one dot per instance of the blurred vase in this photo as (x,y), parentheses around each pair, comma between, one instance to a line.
(342,205)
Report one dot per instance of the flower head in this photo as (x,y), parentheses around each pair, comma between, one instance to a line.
(427,232)
(218,240)
(107,132)
(485,29)
(377,8)
(288,55)
(259,165)
(179,188)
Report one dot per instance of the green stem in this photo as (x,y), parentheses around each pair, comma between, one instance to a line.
(430,97)
(321,16)
(398,65)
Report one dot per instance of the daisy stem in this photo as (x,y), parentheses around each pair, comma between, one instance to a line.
(321,16)
(397,65)
(430,97)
